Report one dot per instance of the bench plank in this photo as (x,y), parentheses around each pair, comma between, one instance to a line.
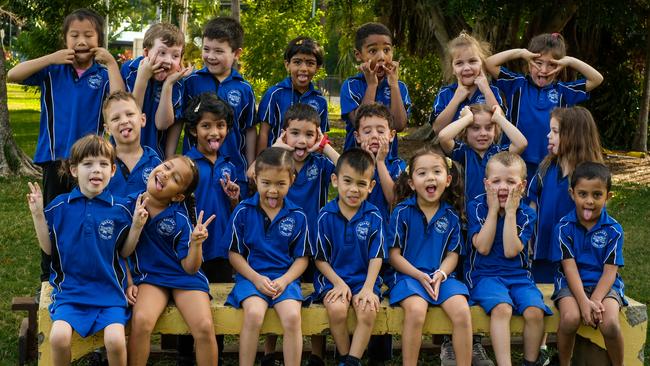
(227,320)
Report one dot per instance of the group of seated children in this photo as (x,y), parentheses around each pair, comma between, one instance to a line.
(453,228)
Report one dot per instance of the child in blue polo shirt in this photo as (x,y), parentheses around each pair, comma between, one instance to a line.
(124,120)
(155,81)
(85,231)
(223,38)
(269,245)
(426,243)
(378,82)
(573,138)
(349,252)
(499,227)
(73,82)
(479,129)
(532,97)
(465,64)
(303,58)
(589,242)
(167,262)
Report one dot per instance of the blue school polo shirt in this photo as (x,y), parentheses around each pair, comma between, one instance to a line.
(71,107)
(239,94)
(591,249)
(87,235)
(531,106)
(124,183)
(309,189)
(474,166)
(269,246)
(348,246)
(352,92)
(495,263)
(424,244)
(164,243)
(395,167)
(151,136)
(277,100)
(211,198)
(551,194)
(446,94)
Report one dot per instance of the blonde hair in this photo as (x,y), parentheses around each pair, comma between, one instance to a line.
(464,39)
(169,34)
(480,108)
(507,159)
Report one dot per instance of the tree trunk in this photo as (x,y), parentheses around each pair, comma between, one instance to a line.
(641,136)
(235,10)
(13,161)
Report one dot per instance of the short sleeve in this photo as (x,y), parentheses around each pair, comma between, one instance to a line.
(526,219)
(476,214)
(328,168)
(247,117)
(397,168)
(456,239)
(615,247)
(376,244)
(396,237)
(458,152)
(573,92)
(177,95)
(37,78)
(183,236)
(264,112)
(535,189)
(322,249)
(324,118)
(351,95)
(440,103)
(561,243)
(299,245)
(406,97)
(234,232)
(508,80)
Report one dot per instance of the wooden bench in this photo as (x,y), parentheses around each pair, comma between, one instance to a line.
(227,320)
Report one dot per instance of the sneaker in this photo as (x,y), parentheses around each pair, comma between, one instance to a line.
(544,356)
(480,356)
(447,355)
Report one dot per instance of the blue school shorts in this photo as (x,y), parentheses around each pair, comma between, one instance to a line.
(409,286)
(518,292)
(88,320)
(244,289)
(317,298)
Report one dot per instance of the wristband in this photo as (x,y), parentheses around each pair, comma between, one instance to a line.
(323,143)
(444,275)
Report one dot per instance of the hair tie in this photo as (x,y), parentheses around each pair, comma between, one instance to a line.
(449,162)
(196,110)
(299,42)
(555,36)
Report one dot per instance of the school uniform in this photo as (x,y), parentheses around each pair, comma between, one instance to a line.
(352,92)
(446,94)
(424,245)
(269,246)
(493,278)
(474,166)
(238,93)
(591,249)
(395,168)
(277,100)
(164,243)
(348,246)
(125,182)
(150,135)
(88,277)
(550,193)
(212,200)
(531,106)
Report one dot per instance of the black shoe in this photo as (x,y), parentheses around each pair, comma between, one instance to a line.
(37,297)
(315,361)
(269,360)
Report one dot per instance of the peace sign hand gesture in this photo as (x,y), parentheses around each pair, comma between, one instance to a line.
(200,232)
(140,214)
(35,198)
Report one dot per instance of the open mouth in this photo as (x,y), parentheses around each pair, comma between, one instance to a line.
(300,152)
(96,180)
(82,51)
(588,213)
(431,189)
(126,132)
(214,144)
(159,183)
(302,78)
(272,202)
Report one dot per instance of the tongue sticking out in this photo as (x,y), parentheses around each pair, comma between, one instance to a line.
(273,202)
(126,132)
(587,214)
(214,145)
(300,153)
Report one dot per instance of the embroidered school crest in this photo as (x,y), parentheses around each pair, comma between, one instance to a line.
(441,225)
(480,99)
(95,81)
(226,171)
(234,98)
(145,174)
(599,239)
(553,96)
(166,226)
(314,104)
(286,226)
(106,229)
(362,230)
(312,172)
(387,93)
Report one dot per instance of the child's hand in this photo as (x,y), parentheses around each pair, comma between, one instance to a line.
(482,83)
(598,315)
(587,309)
(425,281)
(341,291)
(230,188)
(384,148)
(200,232)
(370,72)
(148,67)
(392,72)
(140,214)
(529,56)
(497,114)
(560,64)
(461,93)
(279,284)
(436,280)
(514,197)
(178,75)
(250,172)
(319,139)
(466,112)
(62,57)
(281,141)
(131,294)
(366,297)
(35,199)
(264,285)
(102,55)
(492,198)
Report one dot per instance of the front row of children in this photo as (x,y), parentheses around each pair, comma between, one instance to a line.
(269,242)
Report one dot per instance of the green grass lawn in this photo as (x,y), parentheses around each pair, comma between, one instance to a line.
(19,254)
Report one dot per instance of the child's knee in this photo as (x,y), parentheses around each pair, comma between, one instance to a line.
(254,316)
(502,310)
(291,319)
(461,317)
(142,322)
(610,327)
(533,315)
(570,320)
(114,342)
(60,339)
(414,312)
(337,312)
(203,330)
(366,317)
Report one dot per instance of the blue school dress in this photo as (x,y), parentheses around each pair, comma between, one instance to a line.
(446,93)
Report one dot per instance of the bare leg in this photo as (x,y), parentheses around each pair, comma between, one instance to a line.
(151,302)
(337,313)
(254,311)
(195,309)
(365,323)
(457,310)
(570,319)
(500,333)
(533,332)
(115,343)
(611,330)
(60,341)
(289,314)
(415,311)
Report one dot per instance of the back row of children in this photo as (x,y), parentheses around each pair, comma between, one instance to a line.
(220,145)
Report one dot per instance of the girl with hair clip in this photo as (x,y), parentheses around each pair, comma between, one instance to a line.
(465,66)
(269,245)
(532,97)
(85,231)
(573,139)
(167,262)
(425,242)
